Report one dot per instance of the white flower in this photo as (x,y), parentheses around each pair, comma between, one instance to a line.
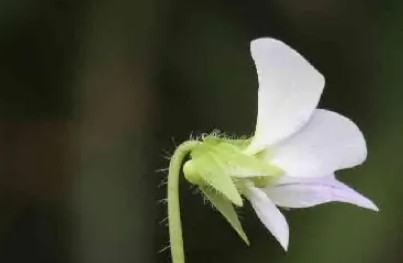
(307,143)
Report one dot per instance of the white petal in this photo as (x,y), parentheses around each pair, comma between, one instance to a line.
(306,192)
(329,142)
(270,216)
(289,90)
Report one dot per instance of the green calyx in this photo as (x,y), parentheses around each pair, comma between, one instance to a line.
(222,164)
(221,169)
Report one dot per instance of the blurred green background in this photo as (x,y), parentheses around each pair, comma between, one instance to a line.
(94,94)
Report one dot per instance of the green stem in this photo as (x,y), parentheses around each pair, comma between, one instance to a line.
(174,219)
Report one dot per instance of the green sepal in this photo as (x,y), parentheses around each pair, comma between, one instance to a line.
(225,207)
(207,168)
(229,153)
(222,164)
(241,165)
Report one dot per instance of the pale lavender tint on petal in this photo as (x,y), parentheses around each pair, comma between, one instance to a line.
(302,193)
(269,215)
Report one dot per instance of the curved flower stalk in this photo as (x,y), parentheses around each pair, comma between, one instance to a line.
(290,161)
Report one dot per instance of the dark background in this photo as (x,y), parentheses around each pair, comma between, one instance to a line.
(94,94)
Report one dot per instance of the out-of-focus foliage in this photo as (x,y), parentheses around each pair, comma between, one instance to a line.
(92,93)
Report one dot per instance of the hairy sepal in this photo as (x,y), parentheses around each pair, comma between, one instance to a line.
(227,210)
